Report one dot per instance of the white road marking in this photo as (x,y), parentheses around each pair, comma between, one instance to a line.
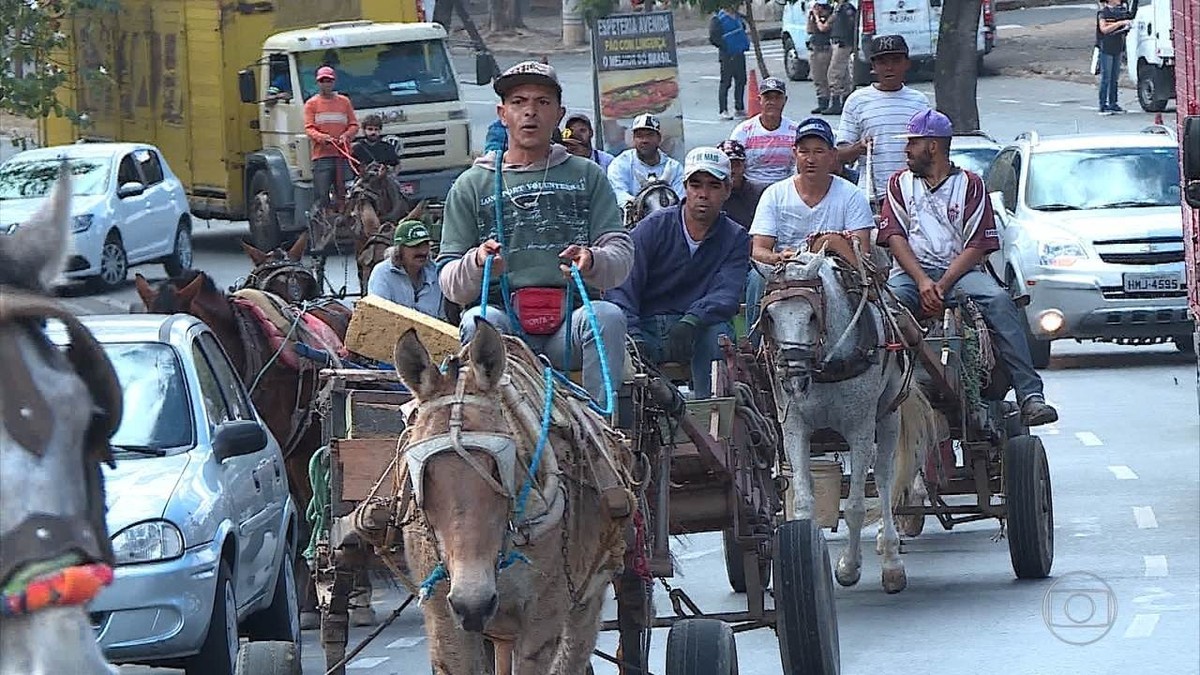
(1142,626)
(1007,100)
(710,77)
(366,662)
(406,642)
(1088,438)
(1156,565)
(1048,104)
(1009,26)
(1144,515)
(698,554)
(1123,472)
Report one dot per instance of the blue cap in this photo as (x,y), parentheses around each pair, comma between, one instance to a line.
(815,126)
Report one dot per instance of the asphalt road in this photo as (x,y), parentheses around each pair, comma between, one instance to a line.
(1123,463)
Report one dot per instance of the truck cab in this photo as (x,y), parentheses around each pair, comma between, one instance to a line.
(1150,56)
(399,71)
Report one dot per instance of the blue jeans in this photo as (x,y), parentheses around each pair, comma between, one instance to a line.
(1110,73)
(1001,315)
(583,343)
(705,350)
(755,285)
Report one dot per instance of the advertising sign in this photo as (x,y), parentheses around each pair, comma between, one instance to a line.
(637,71)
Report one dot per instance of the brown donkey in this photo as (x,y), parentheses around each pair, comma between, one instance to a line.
(531,581)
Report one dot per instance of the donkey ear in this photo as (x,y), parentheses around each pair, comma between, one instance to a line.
(256,256)
(38,250)
(144,291)
(417,211)
(415,368)
(188,293)
(297,250)
(488,355)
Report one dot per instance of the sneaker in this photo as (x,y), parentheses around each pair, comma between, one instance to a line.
(724,114)
(1105,112)
(741,114)
(1117,110)
(1036,412)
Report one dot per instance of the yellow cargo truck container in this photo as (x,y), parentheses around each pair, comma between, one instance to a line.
(220,87)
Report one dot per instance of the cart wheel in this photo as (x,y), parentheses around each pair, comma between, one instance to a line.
(701,647)
(806,617)
(735,565)
(1030,507)
(268,658)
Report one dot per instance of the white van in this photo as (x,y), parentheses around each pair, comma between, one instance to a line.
(1150,56)
(916,20)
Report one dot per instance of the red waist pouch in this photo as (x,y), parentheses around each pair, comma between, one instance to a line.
(539,310)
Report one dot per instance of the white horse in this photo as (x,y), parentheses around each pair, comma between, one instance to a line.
(826,348)
(56,414)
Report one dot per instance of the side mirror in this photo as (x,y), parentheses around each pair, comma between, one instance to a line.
(247,88)
(235,439)
(1191,161)
(130,189)
(485,68)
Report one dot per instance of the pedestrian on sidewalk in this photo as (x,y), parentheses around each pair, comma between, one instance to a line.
(841,34)
(768,137)
(1112,25)
(820,50)
(727,32)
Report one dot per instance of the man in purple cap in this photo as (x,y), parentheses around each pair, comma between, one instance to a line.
(939,226)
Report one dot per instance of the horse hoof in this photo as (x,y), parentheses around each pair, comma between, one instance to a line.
(310,620)
(846,575)
(894,580)
(362,616)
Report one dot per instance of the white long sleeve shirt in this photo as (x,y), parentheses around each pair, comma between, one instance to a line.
(629,175)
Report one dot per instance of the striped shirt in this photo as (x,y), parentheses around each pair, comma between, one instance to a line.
(941,222)
(880,115)
(769,156)
(333,115)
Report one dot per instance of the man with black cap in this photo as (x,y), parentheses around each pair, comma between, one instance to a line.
(768,137)
(743,195)
(690,264)
(580,126)
(556,210)
(631,170)
(873,116)
(408,277)
(938,224)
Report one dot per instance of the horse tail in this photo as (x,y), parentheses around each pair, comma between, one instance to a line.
(919,433)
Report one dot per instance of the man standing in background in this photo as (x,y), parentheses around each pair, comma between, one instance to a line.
(820,50)
(329,122)
(767,137)
(843,29)
(727,32)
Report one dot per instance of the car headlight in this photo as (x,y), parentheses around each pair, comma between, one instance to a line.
(1060,252)
(82,223)
(150,541)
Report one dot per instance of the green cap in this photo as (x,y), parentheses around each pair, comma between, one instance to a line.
(411,233)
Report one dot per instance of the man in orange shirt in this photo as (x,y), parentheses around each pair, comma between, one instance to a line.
(329,122)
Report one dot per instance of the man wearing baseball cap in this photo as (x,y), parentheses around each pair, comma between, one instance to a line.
(330,124)
(580,126)
(873,116)
(408,277)
(556,210)
(686,284)
(743,195)
(632,170)
(814,200)
(938,224)
(768,137)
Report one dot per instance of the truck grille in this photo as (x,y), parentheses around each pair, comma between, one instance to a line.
(426,144)
(1144,251)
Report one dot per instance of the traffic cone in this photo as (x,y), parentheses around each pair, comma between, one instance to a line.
(753,106)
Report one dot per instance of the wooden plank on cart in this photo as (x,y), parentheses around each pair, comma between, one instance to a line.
(362,461)
(377,325)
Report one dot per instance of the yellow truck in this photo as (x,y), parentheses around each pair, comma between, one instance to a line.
(219,87)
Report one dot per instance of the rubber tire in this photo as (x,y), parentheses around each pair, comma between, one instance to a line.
(701,647)
(735,570)
(215,657)
(114,239)
(264,230)
(805,613)
(268,658)
(1186,344)
(280,622)
(175,264)
(796,69)
(1149,81)
(1030,507)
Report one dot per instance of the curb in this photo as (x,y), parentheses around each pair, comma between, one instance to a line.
(1009,5)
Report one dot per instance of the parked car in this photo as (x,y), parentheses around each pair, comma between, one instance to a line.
(129,208)
(1091,231)
(974,152)
(202,523)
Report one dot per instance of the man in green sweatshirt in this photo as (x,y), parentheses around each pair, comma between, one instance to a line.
(557,209)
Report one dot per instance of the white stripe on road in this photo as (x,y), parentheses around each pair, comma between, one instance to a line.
(1156,565)
(1009,26)
(366,662)
(1142,626)
(406,642)
(1123,472)
(1007,100)
(1144,515)
(1088,438)
(698,554)
(1048,104)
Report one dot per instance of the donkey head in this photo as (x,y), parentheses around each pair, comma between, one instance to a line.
(794,314)
(282,272)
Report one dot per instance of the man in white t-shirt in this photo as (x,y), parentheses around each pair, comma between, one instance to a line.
(631,170)
(814,200)
(768,137)
(939,226)
(876,115)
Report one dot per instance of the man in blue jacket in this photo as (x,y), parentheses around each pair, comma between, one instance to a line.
(727,32)
(690,265)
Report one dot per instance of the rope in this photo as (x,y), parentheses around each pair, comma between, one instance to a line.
(51,584)
(318,480)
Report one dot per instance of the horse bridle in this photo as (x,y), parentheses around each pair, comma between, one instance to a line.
(811,291)
(265,274)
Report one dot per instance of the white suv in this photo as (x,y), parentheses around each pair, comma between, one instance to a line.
(129,208)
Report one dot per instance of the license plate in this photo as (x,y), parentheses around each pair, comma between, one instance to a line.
(1152,283)
(902,18)
(409,187)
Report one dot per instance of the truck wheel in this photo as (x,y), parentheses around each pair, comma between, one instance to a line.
(1151,93)
(264,225)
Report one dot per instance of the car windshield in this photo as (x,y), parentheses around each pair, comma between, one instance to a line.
(976,160)
(376,76)
(32,179)
(157,414)
(1103,178)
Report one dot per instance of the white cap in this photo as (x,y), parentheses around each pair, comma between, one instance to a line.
(646,121)
(709,160)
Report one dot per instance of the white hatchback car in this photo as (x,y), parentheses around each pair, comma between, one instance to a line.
(129,208)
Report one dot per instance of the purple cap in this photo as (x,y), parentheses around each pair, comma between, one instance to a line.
(928,124)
